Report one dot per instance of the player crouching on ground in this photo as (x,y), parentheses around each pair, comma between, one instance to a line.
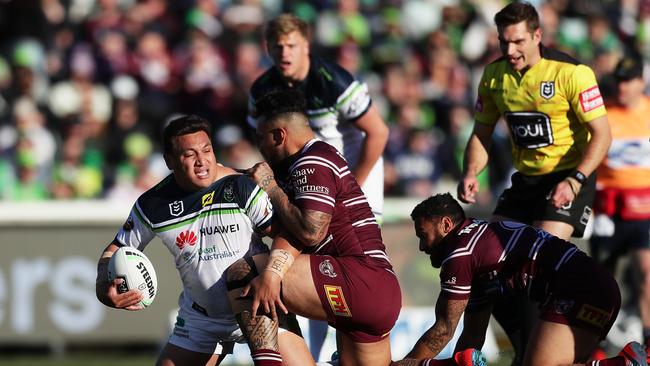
(480,261)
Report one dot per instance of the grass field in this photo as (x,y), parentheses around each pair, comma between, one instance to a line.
(95,360)
(88,360)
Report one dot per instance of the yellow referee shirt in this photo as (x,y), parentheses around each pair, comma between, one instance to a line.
(546,109)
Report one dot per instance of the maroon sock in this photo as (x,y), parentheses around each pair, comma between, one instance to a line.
(614,361)
(266,357)
(433,362)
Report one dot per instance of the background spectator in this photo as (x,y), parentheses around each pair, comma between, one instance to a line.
(93,74)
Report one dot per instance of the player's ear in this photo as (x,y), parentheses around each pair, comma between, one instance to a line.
(537,35)
(447,224)
(279,136)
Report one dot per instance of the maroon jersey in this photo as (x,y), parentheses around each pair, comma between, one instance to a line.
(481,257)
(486,259)
(319,179)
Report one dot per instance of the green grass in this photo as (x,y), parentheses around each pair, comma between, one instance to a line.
(98,360)
(90,360)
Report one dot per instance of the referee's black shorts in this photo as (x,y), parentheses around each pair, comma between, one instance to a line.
(527,200)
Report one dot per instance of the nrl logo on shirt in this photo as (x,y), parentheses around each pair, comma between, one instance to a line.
(547,89)
(176,208)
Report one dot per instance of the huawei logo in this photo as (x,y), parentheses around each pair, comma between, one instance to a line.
(185,238)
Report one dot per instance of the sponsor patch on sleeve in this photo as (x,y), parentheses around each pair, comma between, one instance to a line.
(207,199)
(590,99)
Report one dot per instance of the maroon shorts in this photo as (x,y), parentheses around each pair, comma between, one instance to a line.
(584,295)
(361,300)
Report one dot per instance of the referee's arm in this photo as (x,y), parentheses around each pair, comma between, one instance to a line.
(475,159)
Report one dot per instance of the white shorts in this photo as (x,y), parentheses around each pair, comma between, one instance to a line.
(373,188)
(199,333)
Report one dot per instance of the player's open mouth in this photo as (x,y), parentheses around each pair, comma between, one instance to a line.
(202,174)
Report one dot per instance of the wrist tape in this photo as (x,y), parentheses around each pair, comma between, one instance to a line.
(279,263)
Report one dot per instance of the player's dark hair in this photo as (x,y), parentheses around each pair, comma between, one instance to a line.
(442,204)
(517,12)
(184,125)
(283,25)
(281,103)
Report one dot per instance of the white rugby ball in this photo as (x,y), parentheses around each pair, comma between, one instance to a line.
(137,272)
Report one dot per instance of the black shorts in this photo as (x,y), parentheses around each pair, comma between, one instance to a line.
(627,235)
(526,201)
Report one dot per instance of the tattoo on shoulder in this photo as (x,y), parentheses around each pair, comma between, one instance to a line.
(317,223)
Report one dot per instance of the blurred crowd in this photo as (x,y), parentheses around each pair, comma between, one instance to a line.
(86,86)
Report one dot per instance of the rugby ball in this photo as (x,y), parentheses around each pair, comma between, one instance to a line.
(136,270)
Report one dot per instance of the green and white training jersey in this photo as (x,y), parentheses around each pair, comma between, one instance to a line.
(205,231)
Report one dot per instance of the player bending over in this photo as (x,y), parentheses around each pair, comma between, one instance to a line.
(480,261)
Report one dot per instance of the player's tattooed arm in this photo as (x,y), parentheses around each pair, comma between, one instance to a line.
(448,313)
(308,226)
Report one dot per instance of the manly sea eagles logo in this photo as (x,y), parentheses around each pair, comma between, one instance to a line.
(326,268)
(176,208)
(563,306)
(547,89)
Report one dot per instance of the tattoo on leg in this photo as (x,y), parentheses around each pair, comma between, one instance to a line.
(406,362)
(240,273)
(260,332)
(238,270)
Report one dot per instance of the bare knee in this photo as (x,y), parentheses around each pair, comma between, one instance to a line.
(356,353)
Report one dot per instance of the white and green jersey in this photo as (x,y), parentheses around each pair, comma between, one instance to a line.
(205,231)
(335,102)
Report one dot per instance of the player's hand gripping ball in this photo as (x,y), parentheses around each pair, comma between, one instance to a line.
(136,270)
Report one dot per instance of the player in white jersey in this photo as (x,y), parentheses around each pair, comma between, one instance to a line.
(339,107)
(208,216)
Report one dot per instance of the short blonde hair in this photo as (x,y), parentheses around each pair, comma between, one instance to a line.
(285,24)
